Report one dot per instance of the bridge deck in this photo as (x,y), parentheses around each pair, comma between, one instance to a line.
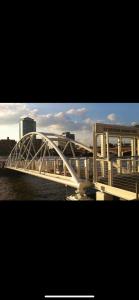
(123,181)
(114,191)
(49,176)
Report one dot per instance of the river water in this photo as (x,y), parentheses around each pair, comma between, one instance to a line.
(20,186)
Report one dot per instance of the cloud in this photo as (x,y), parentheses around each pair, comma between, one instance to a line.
(134,123)
(59,122)
(85,136)
(60,115)
(112,117)
(11,112)
(77,112)
(88,121)
(63,121)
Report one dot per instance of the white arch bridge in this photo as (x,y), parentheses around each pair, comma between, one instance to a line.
(57,158)
(40,154)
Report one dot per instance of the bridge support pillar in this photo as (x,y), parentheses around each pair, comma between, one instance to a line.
(119,154)
(133,153)
(78,197)
(138,153)
(100,196)
(119,146)
(103,145)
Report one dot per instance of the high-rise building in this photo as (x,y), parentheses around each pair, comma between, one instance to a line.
(26,125)
(69,135)
(61,144)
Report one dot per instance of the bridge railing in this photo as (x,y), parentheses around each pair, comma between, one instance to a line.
(83,166)
(120,173)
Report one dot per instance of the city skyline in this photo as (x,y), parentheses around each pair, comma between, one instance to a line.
(77,118)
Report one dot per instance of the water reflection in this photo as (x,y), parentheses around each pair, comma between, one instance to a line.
(19,186)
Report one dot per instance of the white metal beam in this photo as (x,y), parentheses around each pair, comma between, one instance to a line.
(127,195)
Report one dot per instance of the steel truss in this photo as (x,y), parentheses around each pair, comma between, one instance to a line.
(38,154)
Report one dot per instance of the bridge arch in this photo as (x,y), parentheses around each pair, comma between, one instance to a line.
(25,153)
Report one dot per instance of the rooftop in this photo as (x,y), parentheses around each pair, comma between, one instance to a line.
(26,118)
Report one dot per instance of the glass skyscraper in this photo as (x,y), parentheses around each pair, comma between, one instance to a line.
(26,125)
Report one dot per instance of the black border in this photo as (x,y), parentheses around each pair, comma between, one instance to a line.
(76,246)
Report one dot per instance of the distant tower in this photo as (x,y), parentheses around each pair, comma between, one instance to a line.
(26,125)
(68,135)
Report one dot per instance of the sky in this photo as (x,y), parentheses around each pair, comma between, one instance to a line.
(77,118)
